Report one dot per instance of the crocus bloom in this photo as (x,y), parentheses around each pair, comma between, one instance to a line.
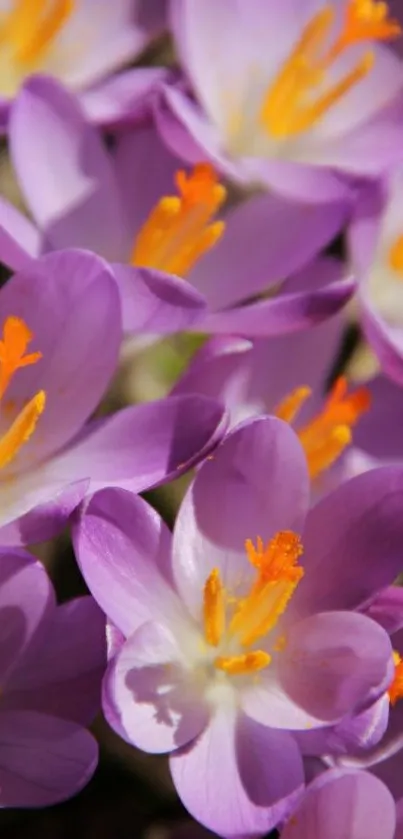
(263,119)
(60,336)
(376,250)
(126,210)
(51,664)
(80,42)
(241,630)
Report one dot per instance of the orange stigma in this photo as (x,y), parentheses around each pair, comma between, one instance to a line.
(31,26)
(326,436)
(395,690)
(297,99)
(179,230)
(13,345)
(244,621)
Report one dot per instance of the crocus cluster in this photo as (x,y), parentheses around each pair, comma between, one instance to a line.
(241,201)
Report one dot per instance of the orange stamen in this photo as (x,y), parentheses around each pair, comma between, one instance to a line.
(32,25)
(328,434)
(395,690)
(289,407)
(16,337)
(396,255)
(178,231)
(22,429)
(214,609)
(290,107)
(237,665)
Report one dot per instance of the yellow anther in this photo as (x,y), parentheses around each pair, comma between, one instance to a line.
(179,230)
(395,690)
(396,255)
(289,407)
(22,429)
(238,665)
(290,107)
(16,337)
(214,608)
(31,26)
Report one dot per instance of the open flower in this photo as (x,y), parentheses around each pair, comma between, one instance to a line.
(60,334)
(243,630)
(51,665)
(80,42)
(325,95)
(157,223)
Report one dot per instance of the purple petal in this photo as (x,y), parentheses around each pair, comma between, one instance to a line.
(43,759)
(124,98)
(220,369)
(386,341)
(144,445)
(149,696)
(19,239)
(387,609)
(255,250)
(262,770)
(354,734)
(379,432)
(334,662)
(70,187)
(123,549)
(254,485)
(62,675)
(39,508)
(157,303)
(341,804)
(70,302)
(352,543)
(22,614)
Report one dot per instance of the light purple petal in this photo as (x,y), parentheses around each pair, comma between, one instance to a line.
(26,600)
(387,609)
(352,543)
(43,759)
(123,98)
(255,484)
(341,804)
(157,303)
(38,507)
(69,184)
(385,340)
(123,549)
(354,734)
(266,238)
(19,238)
(149,696)
(262,770)
(143,445)
(70,302)
(62,674)
(335,662)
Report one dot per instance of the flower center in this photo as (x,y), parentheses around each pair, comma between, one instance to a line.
(13,345)
(300,96)
(395,690)
(326,436)
(178,230)
(237,623)
(31,26)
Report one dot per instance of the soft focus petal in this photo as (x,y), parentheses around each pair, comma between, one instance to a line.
(352,543)
(149,697)
(334,662)
(69,183)
(19,239)
(62,675)
(37,508)
(262,770)
(387,609)
(43,759)
(123,98)
(341,804)
(255,484)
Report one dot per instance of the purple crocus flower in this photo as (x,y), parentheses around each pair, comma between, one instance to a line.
(51,663)
(123,208)
(261,119)
(229,639)
(60,336)
(82,43)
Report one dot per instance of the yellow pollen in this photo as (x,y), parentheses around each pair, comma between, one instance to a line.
(31,26)
(395,690)
(214,609)
(326,436)
(13,345)
(179,230)
(236,665)
(298,97)
(396,255)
